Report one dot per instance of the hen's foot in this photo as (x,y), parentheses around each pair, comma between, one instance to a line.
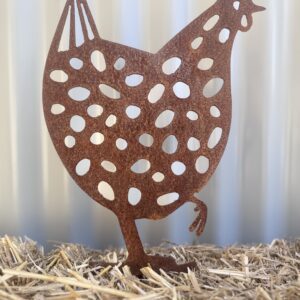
(157,262)
(199,224)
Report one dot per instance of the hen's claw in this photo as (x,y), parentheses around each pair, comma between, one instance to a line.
(199,224)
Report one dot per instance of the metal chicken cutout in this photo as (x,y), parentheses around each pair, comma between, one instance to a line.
(139,132)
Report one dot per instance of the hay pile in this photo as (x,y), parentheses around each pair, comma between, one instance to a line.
(71,272)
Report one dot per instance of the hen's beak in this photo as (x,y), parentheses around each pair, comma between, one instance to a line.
(257,8)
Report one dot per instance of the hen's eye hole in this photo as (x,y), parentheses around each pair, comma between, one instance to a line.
(244,21)
(236,5)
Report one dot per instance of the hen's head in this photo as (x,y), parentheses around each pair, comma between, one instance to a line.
(245,9)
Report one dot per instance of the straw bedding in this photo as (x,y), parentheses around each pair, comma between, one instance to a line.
(73,272)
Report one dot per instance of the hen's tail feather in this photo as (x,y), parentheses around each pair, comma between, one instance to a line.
(76,21)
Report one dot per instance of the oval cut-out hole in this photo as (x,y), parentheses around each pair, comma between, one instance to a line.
(77,123)
(196,43)
(97,138)
(215,112)
(134,80)
(98,60)
(224,35)
(193,144)
(193,116)
(181,90)
(215,138)
(171,65)
(109,92)
(120,64)
(244,21)
(146,140)
(167,199)
(141,166)
(95,111)
(57,109)
(70,141)
(236,5)
(211,23)
(164,119)
(134,196)
(59,76)
(213,87)
(79,93)
(205,64)
(83,167)
(170,144)
(156,93)
(202,164)
(178,168)
(76,63)
(106,191)
(109,166)
(111,121)
(133,111)
(121,144)
(158,177)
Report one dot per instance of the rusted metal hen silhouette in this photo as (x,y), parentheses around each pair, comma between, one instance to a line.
(140,132)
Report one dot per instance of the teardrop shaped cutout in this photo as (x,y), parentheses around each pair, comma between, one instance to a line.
(109,166)
(196,43)
(170,144)
(98,61)
(181,90)
(211,23)
(97,138)
(141,166)
(83,167)
(171,65)
(202,165)
(79,93)
(213,87)
(164,119)
(57,109)
(156,93)
(134,80)
(178,168)
(205,64)
(109,92)
(106,191)
(167,199)
(134,196)
(215,138)
(146,140)
(59,76)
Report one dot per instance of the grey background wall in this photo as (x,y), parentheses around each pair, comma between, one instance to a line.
(253,196)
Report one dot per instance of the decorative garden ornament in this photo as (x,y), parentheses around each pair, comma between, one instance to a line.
(142,132)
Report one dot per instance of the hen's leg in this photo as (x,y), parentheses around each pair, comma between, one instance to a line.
(199,224)
(138,259)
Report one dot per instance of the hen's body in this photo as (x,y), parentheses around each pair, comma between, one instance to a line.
(210,113)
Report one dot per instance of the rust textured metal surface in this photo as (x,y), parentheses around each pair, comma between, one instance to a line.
(142,132)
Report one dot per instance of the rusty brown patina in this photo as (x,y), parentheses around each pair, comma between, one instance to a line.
(104,120)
